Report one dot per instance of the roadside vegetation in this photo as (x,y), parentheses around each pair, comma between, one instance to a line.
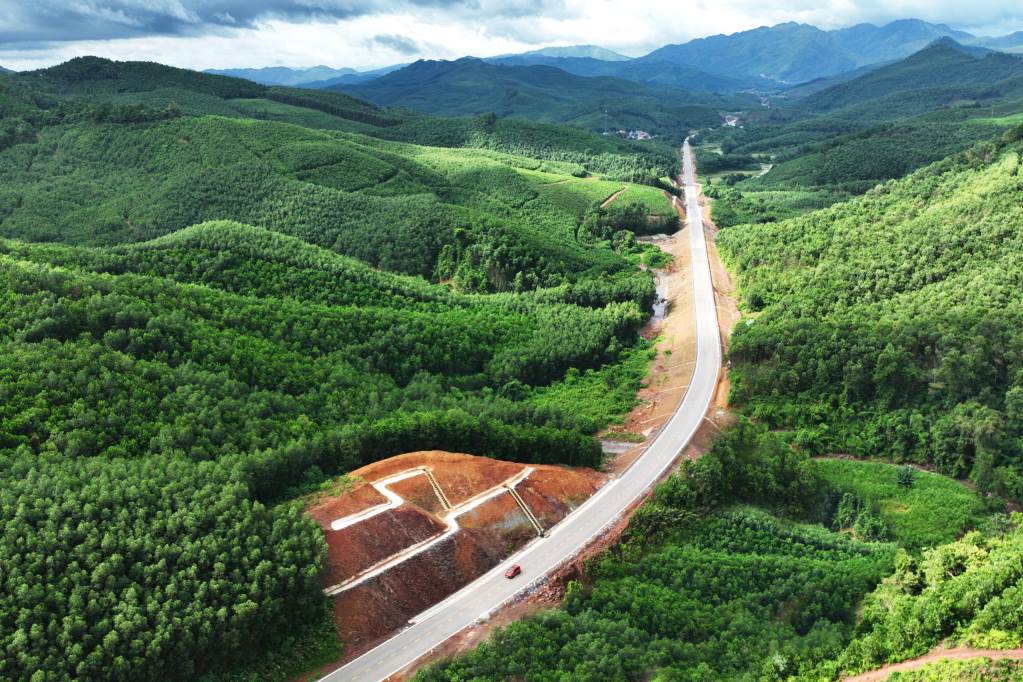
(757,562)
(216,296)
(874,335)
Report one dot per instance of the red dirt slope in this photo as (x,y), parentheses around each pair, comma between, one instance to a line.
(488,533)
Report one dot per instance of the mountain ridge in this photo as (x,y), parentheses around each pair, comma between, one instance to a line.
(472,86)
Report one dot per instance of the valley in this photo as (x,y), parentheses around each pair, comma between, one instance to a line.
(695,362)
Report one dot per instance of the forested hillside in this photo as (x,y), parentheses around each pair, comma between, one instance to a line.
(94,88)
(204,313)
(110,173)
(942,74)
(471,86)
(706,587)
(888,326)
(839,141)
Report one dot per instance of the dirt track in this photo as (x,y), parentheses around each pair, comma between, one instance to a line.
(958,654)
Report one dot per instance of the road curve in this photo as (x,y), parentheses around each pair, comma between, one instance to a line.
(488,592)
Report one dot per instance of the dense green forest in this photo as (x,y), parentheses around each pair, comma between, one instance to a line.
(215,295)
(705,587)
(888,325)
(472,86)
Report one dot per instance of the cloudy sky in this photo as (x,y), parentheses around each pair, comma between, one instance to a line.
(370,33)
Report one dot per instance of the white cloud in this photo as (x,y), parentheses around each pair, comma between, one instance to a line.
(441,29)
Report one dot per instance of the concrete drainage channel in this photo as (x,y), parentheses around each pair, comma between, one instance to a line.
(450,519)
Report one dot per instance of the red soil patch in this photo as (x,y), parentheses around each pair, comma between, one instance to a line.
(497,513)
(354,501)
(460,476)
(353,549)
(418,491)
(552,493)
(373,610)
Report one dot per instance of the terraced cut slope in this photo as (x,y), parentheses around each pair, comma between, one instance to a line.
(427,523)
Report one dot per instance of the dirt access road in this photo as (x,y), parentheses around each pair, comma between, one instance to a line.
(961,654)
(540,557)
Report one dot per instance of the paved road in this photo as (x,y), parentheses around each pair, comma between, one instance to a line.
(487,593)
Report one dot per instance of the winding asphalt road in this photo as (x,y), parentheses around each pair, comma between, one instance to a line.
(481,597)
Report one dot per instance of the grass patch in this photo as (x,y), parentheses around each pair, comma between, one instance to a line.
(1010,120)
(651,198)
(599,396)
(931,511)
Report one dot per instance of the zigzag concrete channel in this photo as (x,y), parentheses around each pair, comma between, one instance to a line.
(450,519)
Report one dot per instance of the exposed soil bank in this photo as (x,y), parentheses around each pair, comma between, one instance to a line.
(382,603)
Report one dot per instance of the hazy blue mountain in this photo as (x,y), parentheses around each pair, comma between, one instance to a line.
(351,78)
(796,53)
(941,74)
(578,51)
(818,84)
(3,70)
(1010,43)
(892,41)
(283,75)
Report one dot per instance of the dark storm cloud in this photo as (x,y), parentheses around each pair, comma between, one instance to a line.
(34,21)
(396,43)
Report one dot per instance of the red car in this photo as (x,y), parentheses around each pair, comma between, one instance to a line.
(513,571)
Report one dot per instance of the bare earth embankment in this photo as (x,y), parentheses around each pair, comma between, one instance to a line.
(420,526)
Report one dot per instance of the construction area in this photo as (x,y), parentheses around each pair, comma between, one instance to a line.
(418,527)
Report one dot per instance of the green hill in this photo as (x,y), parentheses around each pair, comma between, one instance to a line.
(943,74)
(472,86)
(889,325)
(216,296)
(664,74)
(90,82)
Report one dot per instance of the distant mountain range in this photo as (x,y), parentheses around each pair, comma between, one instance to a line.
(574,52)
(663,73)
(472,86)
(3,70)
(313,77)
(1010,43)
(764,59)
(796,53)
